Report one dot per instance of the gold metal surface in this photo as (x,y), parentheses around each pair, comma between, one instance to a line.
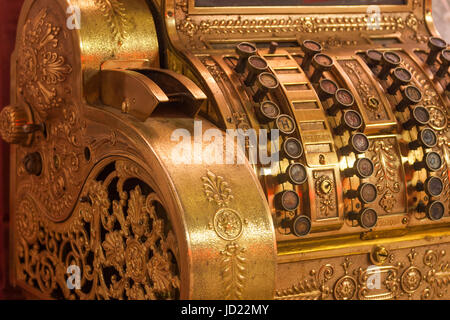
(96,110)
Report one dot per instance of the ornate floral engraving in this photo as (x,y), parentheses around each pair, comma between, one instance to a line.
(326,194)
(41,67)
(233,270)
(312,288)
(394,280)
(387,165)
(120,238)
(346,287)
(375,110)
(216,189)
(228,225)
(116,16)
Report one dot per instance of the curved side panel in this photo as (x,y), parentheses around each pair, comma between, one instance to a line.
(228,222)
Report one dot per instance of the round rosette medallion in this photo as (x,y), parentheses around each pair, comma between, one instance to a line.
(228,224)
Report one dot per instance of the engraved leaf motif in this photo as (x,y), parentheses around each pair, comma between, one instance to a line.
(115,14)
(216,189)
(234,270)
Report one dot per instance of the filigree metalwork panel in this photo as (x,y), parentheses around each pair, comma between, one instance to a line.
(418,273)
(119,237)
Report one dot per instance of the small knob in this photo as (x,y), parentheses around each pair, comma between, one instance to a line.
(426,138)
(436,45)
(285,124)
(411,96)
(33,163)
(367,218)
(295,173)
(363,168)
(309,48)
(321,63)
(266,82)
(445,62)
(350,121)
(435,210)
(419,117)
(389,61)
(268,111)
(342,99)
(432,161)
(292,148)
(433,186)
(255,65)
(273,47)
(15,126)
(400,77)
(373,57)
(327,88)
(244,50)
(357,143)
(301,226)
(366,193)
(287,200)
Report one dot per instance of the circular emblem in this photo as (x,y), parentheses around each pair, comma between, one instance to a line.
(411,279)
(228,224)
(345,288)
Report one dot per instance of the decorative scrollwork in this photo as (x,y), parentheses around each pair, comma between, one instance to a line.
(391,281)
(386,163)
(41,67)
(119,237)
(312,288)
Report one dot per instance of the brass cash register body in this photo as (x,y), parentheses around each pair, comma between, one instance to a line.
(359,93)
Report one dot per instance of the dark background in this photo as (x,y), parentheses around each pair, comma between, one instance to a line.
(9,13)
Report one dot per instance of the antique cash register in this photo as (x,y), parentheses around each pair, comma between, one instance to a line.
(114,107)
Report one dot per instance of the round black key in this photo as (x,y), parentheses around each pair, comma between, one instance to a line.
(401,77)
(321,63)
(389,61)
(244,51)
(327,89)
(373,57)
(268,111)
(445,62)
(266,82)
(301,226)
(297,173)
(434,186)
(358,143)
(287,200)
(367,218)
(343,99)
(256,65)
(309,48)
(285,124)
(292,148)
(351,120)
(419,117)
(432,161)
(435,210)
(363,168)
(426,138)
(436,45)
(411,96)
